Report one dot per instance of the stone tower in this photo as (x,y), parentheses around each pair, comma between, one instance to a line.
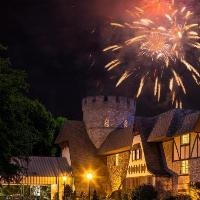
(103,114)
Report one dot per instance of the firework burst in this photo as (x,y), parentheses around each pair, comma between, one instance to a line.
(163,40)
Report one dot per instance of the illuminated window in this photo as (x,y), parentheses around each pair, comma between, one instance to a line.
(133,155)
(185,139)
(106,123)
(184,167)
(137,154)
(116,159)
(125,123)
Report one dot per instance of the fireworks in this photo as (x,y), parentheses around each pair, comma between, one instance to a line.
(162,40)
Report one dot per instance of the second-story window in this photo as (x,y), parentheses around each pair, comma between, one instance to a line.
(116,159)
(185,139)
(137,154)
(107,123)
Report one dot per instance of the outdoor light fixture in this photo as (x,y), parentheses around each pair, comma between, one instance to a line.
(89,177)
(64,179)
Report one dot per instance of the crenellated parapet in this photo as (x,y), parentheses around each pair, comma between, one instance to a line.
(103,114)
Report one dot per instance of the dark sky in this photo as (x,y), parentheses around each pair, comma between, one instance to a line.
(59,43)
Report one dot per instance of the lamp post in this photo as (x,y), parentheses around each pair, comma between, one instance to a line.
(89,177)
(64,183)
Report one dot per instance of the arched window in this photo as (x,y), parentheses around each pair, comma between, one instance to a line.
(107,123)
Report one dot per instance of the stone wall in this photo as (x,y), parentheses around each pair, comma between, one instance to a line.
(194,170)
(117,174)
(110,109)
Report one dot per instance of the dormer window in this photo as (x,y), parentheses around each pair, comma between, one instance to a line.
(125,123)
(185,139)
(136,152)
(107,123)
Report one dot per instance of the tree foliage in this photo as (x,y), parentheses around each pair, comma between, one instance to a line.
(26,126)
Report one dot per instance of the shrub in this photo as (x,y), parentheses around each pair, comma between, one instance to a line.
(179,197)
(144,192)
(95,196)
(68,191)
(116,195)
(195,191)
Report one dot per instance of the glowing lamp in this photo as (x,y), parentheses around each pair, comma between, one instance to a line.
(89,176)
(64,179)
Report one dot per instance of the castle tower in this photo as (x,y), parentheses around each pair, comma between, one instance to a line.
(103,114)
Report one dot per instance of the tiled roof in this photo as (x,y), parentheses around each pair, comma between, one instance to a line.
(189,123)
(71,128)
(118,140)
(44,166)
(168,123)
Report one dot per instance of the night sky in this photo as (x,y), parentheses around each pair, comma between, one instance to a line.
(59,43)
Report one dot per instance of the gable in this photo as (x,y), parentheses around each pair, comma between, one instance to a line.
(137,163)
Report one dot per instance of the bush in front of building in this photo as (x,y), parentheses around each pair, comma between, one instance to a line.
(144,192)
(95,196)
(116,195)
(179,197)
(195,191)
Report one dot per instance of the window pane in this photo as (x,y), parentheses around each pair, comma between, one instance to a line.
(133,155)
(117,160)
(185,139)
(125,123)
(138,154)
(184,167)
(106,122)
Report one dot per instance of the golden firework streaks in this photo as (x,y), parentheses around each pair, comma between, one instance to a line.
(164,40)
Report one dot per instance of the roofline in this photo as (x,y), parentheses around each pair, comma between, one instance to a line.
(115,151)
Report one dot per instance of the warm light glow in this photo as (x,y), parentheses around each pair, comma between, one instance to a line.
(64,178)
(89,176)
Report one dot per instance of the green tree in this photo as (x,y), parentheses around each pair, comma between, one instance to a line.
(26,126)
(58,124)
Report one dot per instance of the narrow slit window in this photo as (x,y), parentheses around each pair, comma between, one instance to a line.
(107,123)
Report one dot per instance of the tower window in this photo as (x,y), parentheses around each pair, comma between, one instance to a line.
(126,123)
(185,139)
(184,167)
(107,123)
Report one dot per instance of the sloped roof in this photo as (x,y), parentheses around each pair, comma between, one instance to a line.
(44,166)
(168,123)
(118,140)
(152,151)
(71,127)
(189,123)
(83,153)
